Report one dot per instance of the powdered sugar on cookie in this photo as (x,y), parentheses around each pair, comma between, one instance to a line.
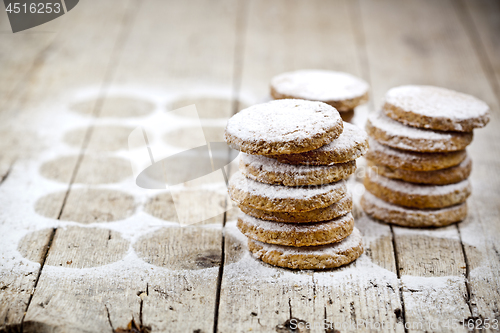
(395,134)
(270,171)
(283,127)
(434,107)
(354,240)
(240,182)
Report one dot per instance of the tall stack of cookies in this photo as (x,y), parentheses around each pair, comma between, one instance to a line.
(419,166)
(341,90)
(296,211)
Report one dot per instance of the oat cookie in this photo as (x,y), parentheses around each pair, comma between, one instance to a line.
(435,108)
(350,145)
(274,198)
(394,134)
(415,161)
(411,217)
(342,207)
(447,176)
(283,127)
(270,171)
(296,234)
(341,90)
(415,195)
(311,257)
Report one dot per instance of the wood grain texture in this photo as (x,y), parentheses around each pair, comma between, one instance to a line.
(185,50)
(67,63)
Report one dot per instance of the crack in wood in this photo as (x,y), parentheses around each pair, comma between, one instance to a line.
(140,294)
(42,264)
(398,273)
(109,318)
(241,24)
(219,279)
(4,177)
(467,297)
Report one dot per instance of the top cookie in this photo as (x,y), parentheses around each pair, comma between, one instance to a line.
(341,90)
(283,127)
(351,144)
(436,108)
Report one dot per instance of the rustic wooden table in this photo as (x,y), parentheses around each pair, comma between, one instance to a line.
(85,250)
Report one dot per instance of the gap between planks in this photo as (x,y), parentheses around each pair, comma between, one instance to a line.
(239,51)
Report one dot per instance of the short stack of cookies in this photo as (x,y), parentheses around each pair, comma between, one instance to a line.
(341,90)
(290,186)
(419,168)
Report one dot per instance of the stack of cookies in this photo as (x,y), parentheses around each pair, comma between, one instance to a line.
(419,167)
(290,186)
(341,90)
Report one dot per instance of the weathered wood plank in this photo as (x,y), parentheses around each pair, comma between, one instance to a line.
(27,135)
(283,36)
(184,262)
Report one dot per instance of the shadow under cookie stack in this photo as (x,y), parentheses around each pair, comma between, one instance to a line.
(296,211)
(418,166)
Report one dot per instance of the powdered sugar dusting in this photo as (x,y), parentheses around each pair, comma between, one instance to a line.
(267,226)
(352,241)
(436,102)
(319,85)
(240,182)
(284,120)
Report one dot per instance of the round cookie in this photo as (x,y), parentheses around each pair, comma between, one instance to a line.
(341,90)
(435,108)
(394,134)
(447,176)
(351,144)
(342,207)
(415,195)
(247,192)
(410,217)
(414,161)
(292,234)
(270,171)
(311,257)
(283,127)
